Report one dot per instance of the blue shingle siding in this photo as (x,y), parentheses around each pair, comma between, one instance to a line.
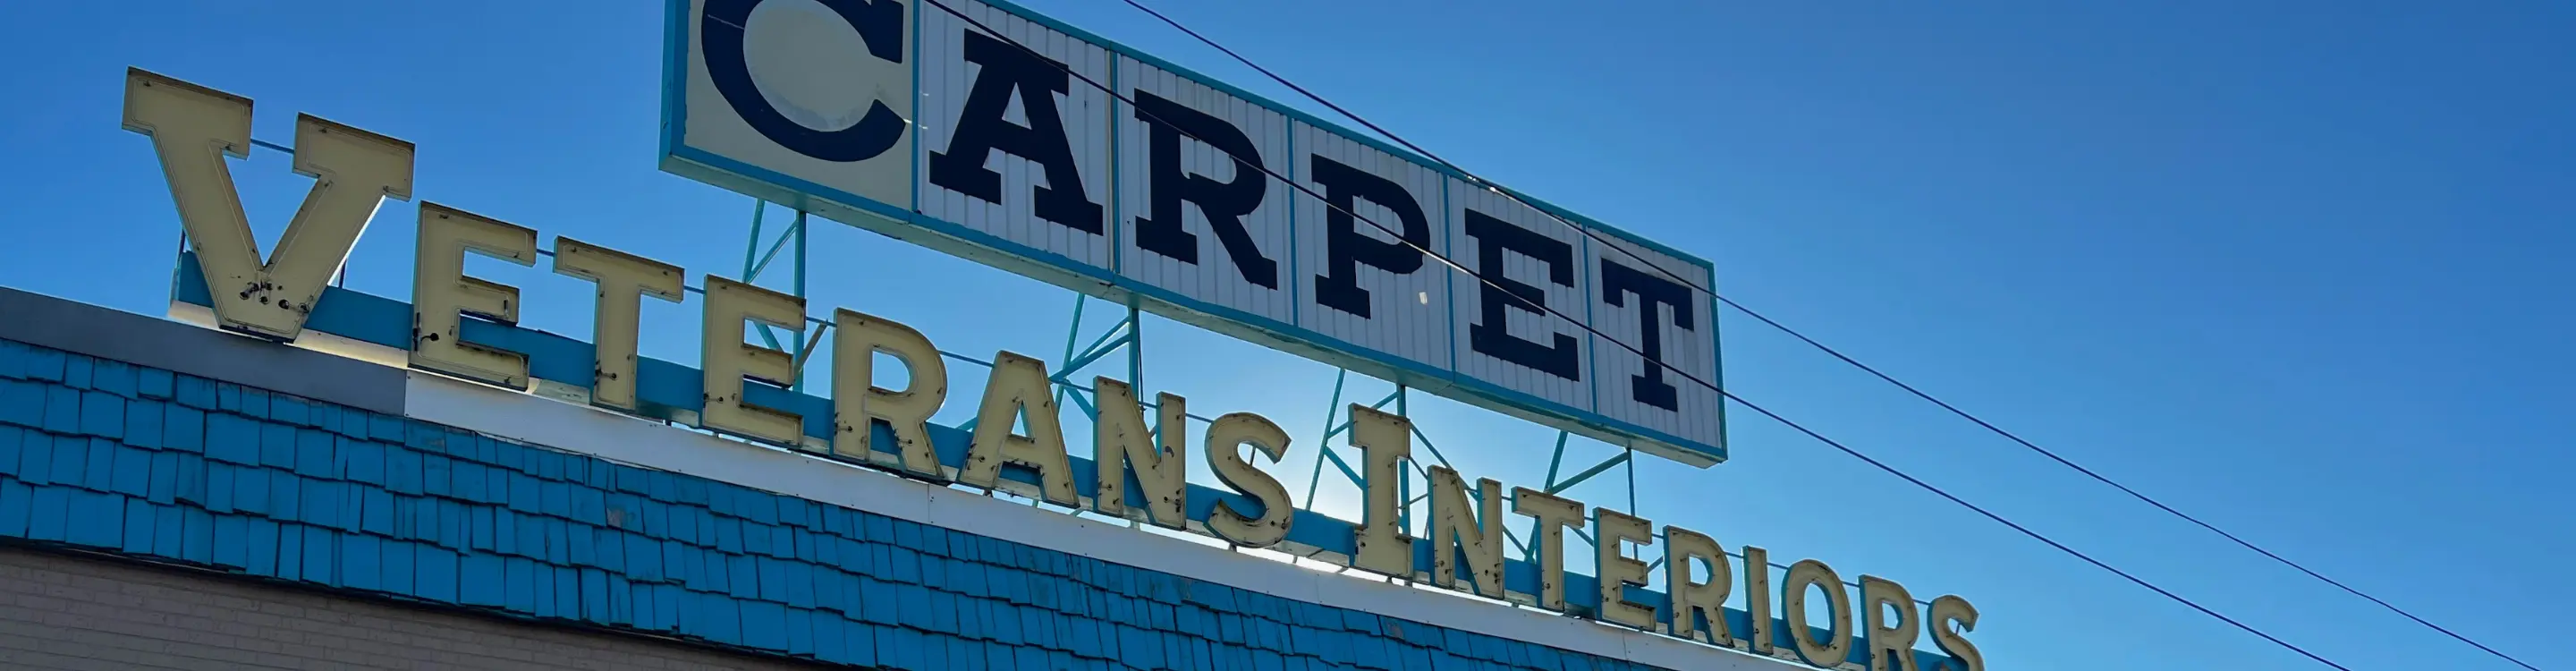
(115,457)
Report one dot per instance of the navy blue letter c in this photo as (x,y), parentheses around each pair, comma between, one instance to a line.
(880,25)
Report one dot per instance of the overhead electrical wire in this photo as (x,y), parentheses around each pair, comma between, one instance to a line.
(1837,354)
(1086,79)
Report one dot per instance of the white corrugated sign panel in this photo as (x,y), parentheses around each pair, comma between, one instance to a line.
(1360,283)
(1501,338)
(856,111)
(905,119)
(1241,263)
(959,68)
(1655,303)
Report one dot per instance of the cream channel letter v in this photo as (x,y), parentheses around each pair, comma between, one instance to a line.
(194,128)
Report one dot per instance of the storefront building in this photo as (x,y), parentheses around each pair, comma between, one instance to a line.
(178,497)
(285,473)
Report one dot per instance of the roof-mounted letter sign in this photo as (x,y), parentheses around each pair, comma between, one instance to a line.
(987,134)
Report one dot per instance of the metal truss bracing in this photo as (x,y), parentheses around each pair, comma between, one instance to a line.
(762,255)
(1336,423)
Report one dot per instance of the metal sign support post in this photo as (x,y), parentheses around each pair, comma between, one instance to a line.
(1335,423)
(1128,334)
(1627,457)
(760,255)
(755,262)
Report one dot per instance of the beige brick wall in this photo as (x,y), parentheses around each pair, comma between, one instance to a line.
(70,611)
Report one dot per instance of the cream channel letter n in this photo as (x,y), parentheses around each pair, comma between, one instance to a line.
(194,129)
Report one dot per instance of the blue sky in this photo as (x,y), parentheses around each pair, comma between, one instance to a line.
(2297,268)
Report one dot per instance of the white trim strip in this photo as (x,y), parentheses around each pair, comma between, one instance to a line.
(572,428)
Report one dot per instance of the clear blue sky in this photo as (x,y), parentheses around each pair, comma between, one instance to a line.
(2299,267)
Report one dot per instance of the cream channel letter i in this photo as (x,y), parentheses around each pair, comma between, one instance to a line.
(194,128)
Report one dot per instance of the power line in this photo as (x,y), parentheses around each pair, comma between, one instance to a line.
(1989,426)
(1811,433)
(2160,505)
(1086,79)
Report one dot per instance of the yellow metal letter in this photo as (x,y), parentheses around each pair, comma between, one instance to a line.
(1120,438)
(1949,609)
(440,291)
(1692,599)
(1804,576)
(1613,530)
(623,281)
(1453,530)
(1891,644)
(1225,440)
(1018,389)
(1757,598)
(193,128)
(1555,515)
(727,360)
(858,403)
(1385,442)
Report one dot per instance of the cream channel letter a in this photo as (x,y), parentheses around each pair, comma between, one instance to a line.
(194,128)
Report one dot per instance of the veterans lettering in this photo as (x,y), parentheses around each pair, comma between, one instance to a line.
(1141,472)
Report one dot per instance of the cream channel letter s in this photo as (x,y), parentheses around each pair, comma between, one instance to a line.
(194,129)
